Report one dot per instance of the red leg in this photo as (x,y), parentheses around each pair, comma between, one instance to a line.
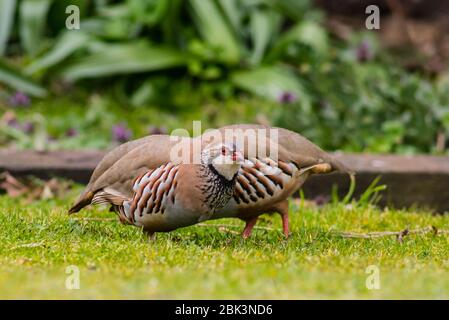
(249,227)
(285,224)
(282,209)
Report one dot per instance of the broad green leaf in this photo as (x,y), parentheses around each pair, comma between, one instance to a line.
(99,4)
(295,9)
(143,94)
(171,24)
(14,79)
(213,28)
(67,44)
(33,15)
(148,12)
(123,59)
(312,34)
(269,82)
(263,25)
(307,32)
(118,10)
(7,9)
(234,14)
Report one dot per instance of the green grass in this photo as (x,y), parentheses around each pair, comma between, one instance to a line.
(38,241)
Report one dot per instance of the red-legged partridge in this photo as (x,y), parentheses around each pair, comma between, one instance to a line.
(159,195)
(263,184)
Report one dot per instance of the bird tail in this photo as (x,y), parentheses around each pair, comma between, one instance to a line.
(328,164)
(340,167)
(102,196)
(83,200)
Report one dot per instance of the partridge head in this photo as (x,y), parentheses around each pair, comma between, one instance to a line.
(225,159)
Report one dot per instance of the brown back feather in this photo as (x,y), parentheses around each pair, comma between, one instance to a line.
(118,169)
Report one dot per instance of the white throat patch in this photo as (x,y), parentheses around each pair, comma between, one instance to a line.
(227,170)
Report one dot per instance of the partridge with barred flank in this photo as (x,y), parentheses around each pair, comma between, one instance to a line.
(164,195)
(262,184)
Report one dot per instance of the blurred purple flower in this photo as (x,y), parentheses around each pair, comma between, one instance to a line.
(287,97)
(19,99)
(28,127)
(13,123)
(71,132)
(321,200)
(121,133)
(157,130)
(364,51)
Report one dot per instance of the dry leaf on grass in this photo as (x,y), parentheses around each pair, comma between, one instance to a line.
(33,188)
(13,187)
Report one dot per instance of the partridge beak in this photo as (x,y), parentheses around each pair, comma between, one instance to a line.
(237,157)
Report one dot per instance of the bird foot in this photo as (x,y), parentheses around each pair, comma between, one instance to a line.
(249,227)
(150,235)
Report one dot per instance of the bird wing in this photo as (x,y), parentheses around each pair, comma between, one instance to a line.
(116,173)
(115,154)
(293,147)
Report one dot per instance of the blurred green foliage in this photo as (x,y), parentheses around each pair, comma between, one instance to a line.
(135,42)
(172,61)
